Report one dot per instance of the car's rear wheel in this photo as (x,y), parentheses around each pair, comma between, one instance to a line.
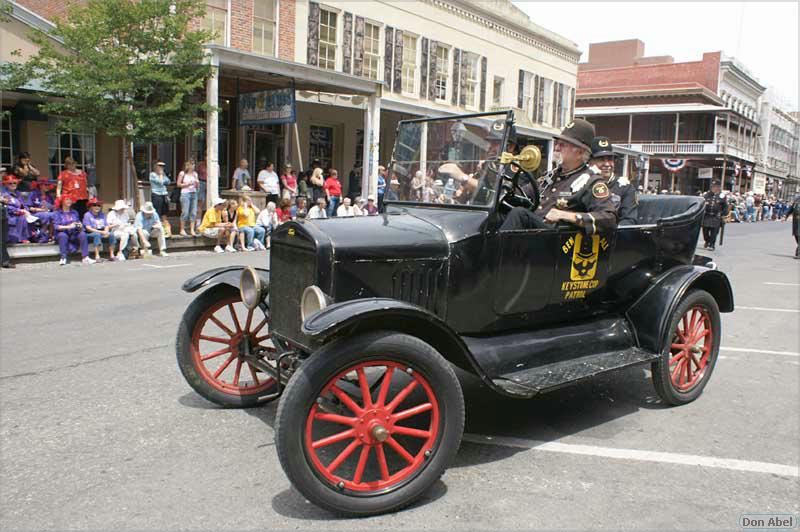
(369,423)
(688,360)
(214,335)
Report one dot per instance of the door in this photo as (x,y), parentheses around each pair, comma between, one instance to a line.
(263,149)
(525,272)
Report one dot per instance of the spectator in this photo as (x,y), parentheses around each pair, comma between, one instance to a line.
(241,177)
(73,183)
(149,224)
(97,229)
(119,223)
(358,206)
(346,210)
(289,183)
(333,192)
(188,181)
(371,209)
(268,220)
(318,210)
(40,204)
(202,175)
(302,184)
(381,185)
(69,231)
(299,210)
(250,234)
(416,187)
(18,229)
(284,212)
(316,183)
(393,193)
(217,227)
(5,258)
(354,184)
(750,209)
(159,195)
(25,172)
(268,182)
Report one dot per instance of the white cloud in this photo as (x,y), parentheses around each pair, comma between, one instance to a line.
(762,35)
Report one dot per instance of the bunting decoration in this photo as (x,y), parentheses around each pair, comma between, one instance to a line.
(748,171)
(674,165)
(737,169)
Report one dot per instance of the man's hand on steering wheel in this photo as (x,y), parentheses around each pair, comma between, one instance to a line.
(515,195)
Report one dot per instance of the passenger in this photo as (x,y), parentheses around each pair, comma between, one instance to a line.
(622,192)
(570,193)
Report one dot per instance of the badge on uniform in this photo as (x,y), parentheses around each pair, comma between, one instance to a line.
(561,203)
(600,191)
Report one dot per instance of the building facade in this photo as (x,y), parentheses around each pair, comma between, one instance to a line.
(698,120)
(778,166)
(358,68)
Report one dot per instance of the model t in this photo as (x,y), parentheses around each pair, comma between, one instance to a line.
(355,322)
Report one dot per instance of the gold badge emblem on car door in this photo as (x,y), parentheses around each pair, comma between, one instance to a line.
(584,257)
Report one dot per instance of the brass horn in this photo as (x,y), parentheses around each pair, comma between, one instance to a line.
(528,159)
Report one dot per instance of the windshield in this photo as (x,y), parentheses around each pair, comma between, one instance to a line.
(447,161)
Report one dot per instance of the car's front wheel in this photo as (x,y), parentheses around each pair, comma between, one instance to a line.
(369,423)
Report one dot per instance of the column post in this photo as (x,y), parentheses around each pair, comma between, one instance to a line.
(212,132)
(372,129)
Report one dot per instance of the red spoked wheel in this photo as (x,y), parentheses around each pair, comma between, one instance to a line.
(692,345)
(375,427)
(368,423)
(691,348)
(217,337)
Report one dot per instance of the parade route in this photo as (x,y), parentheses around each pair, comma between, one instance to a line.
(98,429)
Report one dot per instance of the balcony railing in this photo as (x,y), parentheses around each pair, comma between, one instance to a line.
(689,148)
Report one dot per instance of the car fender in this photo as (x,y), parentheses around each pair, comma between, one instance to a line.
(369,314)
(229,275)
(650,314)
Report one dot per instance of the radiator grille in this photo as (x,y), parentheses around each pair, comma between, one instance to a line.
(292,269)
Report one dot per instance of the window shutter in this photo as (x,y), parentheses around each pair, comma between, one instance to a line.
(432,71)
(462,85)
(456,74)
(571,112)
(535,97)
(388,43)
(347,46)
(358,47)
(521,90)
(398,61)
(313,34)
(483,83)
(556,91)
(423,69)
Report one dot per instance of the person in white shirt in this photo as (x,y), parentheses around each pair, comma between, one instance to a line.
(318,210)
(346,210)
(268,219)
(119,221)
(241,176)
(357,206)
(270,183)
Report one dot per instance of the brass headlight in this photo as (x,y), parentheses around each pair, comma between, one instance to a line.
(313,300)
(250,288)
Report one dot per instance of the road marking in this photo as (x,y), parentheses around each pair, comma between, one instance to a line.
(638,455)
(165,267)
(783,284)
(769,309)
(760,351)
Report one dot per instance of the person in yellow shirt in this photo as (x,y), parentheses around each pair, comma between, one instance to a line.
(251,236)
(217,227)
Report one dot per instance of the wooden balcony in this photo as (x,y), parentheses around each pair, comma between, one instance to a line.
(689,148)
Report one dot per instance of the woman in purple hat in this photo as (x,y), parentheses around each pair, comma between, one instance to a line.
(69,231)
(40,203)
(97,229)
(18,230)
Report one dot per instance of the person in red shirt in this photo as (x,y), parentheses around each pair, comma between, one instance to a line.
(73,183)
(333,191)
(289,182)
(284,212)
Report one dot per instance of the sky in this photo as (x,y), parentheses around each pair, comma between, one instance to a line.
(761,35)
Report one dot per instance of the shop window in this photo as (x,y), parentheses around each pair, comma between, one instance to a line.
(409,63)
(359,159)
(264,27)
(6,145)
(321,145)
(76,144)
(497,92)
(442,73)
(472,81)
(327,39)
(372,50)
(216,21)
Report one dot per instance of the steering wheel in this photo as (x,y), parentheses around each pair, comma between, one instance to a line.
(515,196)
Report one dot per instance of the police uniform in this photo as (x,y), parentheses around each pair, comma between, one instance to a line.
(716,208)
(623,194)
(580,190)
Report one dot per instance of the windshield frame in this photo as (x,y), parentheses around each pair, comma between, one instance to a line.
(509,117)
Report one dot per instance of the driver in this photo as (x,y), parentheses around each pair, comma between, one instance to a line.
(572,192)
(622,192)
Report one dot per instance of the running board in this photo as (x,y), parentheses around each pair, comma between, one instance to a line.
(549,377)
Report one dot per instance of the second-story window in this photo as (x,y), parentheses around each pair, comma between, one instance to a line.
(372,50)
(409,63)
(216,20)
(497,92)
(264,27)
(327,39)
(442,73)
(471,72)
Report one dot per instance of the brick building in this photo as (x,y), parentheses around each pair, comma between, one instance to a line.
(703,113)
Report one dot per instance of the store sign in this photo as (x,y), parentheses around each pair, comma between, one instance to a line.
(267,107)
(705,173)
(760,184)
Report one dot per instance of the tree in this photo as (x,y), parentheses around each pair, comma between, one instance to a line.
(132,68)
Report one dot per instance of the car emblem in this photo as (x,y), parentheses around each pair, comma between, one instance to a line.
(290,232)
(584,257)
(603,143)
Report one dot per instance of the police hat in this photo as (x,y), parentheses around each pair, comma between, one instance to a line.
(601,147)
(579,133)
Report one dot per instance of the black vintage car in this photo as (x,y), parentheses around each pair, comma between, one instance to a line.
(355,322)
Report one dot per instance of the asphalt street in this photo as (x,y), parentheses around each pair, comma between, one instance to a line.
(99,430)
